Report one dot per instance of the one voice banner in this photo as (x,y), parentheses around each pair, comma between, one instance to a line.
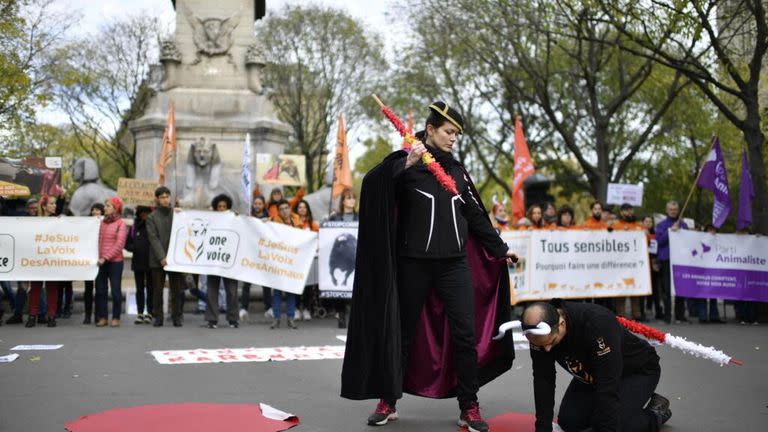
(578,264)
(241,247)
(49,248)
(336,260)
(724,266)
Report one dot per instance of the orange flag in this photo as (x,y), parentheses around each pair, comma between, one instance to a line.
(409,129)
(342,174)
(523,169)
(169,144)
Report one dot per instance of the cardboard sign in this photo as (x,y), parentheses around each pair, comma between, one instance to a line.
(625,194)
(135,191)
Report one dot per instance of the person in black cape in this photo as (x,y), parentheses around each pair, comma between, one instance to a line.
(431,283)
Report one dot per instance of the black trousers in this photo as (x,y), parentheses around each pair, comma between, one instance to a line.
(666,288)
(88,298)
(143,285)
(451,280)
(578,405)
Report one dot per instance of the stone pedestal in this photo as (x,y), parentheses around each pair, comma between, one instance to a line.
(212,73)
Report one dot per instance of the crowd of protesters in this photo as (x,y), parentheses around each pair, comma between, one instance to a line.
(147,239)
(660,303)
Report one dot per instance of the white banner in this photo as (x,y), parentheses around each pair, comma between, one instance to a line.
(336,262)
(579,264)
(619,193)
(49,248)
(241,247)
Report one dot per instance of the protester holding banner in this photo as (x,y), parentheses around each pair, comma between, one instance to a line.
(159,225)
(47,209)
(221,203)
(550,214)
(112,235)
(565,218)
(628,222)
(97,210)
(286,217)
(138,243)
(615,373)
(277,195)
(499,218)
(347,212)
(304,301)
(706,309)
(259,211)
(654,300)
(672,223)
(414,225)
(595,221)
(536,217)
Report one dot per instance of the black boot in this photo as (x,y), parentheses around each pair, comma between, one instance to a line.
(31,321)
(15,319)
(51,322)
(158,322)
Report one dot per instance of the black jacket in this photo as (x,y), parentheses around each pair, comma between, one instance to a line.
(137,242)
(436,223)
(596,350)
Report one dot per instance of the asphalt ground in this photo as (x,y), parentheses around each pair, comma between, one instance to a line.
(98,369)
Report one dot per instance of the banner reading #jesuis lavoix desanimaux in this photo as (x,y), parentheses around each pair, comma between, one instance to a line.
(242,248)
(50,248)
(722,266)
(578,264)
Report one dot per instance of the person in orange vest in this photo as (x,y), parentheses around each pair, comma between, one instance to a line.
(565,218)
(628,222)
(536,216)
(286,217)
(595,222)
(499,218)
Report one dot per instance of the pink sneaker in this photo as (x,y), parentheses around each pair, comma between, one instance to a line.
(471,419)
(383,414)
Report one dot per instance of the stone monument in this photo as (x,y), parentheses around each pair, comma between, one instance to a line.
(211,70)
(91,190)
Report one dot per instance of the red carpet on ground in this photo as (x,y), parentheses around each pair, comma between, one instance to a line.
(188,417)
(512,422)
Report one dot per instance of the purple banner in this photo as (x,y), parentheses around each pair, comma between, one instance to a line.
(726,284)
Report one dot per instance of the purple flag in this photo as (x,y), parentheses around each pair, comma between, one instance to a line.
(715,178)
(746,194)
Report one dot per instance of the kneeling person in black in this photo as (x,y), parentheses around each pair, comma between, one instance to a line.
(615,372)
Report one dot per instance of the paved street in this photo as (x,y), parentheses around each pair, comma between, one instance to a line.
(102,368)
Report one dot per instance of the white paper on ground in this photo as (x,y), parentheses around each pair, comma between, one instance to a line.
(8,358)
(36,347)
(274,413)
(342,338)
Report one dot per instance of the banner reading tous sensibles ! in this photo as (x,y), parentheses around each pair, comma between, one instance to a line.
(723,266)
(336,260)
(580,264)
(242,248)
(49,248)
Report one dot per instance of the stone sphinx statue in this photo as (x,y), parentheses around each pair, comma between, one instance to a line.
(202,175)
(91,189)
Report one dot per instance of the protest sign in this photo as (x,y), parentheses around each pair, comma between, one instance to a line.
(49,248)
(135,191)
(723,266)
(33,175)
(286,170)
(582,264)
(242,248)
(336,260)
(619,193)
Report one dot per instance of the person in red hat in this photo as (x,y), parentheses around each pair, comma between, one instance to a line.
(112,235)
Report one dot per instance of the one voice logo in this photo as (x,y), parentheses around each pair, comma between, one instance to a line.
(199,244)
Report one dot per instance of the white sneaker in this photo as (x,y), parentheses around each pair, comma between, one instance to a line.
(269,313)
(243,315)
(306,315)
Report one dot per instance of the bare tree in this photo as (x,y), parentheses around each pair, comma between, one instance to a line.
(102,85)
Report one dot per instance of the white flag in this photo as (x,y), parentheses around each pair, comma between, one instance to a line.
(245,177)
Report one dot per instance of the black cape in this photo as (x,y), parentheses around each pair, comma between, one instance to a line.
(372,368)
